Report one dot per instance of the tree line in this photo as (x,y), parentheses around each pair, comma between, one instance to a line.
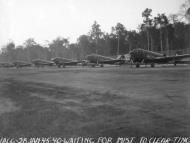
(160,33)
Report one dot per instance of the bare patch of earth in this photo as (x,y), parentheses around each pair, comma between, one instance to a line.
(97,102)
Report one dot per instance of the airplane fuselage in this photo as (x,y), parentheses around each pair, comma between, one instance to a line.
(42,63)
(64,62)
(100,60)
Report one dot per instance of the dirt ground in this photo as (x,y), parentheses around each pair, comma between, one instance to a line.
(91,102)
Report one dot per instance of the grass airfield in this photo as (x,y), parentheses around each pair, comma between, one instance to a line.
(92,102)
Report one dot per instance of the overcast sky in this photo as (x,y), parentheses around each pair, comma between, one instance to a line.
(48,19)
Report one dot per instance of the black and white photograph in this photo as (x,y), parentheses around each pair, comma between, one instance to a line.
(94,71)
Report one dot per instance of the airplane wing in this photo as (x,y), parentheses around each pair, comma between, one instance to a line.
(169,59)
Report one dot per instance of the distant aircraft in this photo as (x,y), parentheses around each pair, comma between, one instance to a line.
(20,64)
(42,63)
(141,56)
(95,59)
(64,62)
(6,65)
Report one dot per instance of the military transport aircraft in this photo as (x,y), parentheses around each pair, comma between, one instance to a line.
(41,63)
(95,60)
(141,56)
(6,65)
(64,62)
(20,64)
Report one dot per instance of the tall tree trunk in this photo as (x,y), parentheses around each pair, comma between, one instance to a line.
(148,40)
(161,45)
(151,43)
(187,39)
(96,45)
(130,46)
(118,46)
(167,42)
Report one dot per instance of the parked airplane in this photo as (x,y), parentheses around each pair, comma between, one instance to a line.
(20,64)
(6,65)
(95,59)
(42,63)
(64,62)
(141,56)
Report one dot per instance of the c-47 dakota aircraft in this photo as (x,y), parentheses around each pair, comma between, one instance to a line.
(64,62)
(42,63)
(20,64)
(6,65)
(141,56)
(95,59)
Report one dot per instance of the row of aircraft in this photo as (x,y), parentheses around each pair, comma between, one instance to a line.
(135,57)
